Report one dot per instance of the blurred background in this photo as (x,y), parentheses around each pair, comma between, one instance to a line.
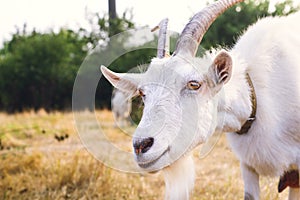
(43,43)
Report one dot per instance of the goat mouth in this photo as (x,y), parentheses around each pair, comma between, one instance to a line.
(146,165)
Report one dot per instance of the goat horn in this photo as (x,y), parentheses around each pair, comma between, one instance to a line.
(163,39)
(194,31)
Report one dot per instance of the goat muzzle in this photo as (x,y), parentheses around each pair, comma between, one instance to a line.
(142,145)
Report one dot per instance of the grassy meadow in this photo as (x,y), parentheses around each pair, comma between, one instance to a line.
(41,157)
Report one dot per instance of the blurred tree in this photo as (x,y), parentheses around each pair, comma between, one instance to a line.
(37,70)
(104,27)
(231,24)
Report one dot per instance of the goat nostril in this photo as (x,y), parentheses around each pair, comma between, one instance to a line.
(142,146)
(147,144)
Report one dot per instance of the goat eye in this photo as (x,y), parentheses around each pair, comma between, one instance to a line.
(193,85)
(141,93)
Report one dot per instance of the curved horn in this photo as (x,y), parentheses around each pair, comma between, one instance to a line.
(193,32)
(163,38)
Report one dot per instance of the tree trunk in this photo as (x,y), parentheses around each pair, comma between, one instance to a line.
(112,9)
(112,14)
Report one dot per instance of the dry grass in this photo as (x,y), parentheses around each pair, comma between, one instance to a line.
(34,165)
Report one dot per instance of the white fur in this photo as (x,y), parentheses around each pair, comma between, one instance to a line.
(179,119)
(121,107)
(179,179)
(270,50)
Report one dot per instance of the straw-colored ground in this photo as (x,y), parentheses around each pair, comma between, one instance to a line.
(35,165)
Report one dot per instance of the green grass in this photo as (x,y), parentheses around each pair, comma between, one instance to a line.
(34,165)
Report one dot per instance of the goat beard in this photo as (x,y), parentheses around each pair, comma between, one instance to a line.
(179,178)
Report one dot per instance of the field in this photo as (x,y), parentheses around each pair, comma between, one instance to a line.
(42,157)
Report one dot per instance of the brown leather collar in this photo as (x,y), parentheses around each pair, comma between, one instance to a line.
(247,125)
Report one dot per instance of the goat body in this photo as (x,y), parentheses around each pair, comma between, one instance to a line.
(186,99)
(121,107)
(269,52)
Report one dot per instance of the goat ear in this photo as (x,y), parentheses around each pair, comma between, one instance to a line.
(221,69)
(123,81)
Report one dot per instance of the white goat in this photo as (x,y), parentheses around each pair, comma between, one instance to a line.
(187,99)
(121,107)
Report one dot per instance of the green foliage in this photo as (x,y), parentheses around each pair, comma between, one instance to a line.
(231,24)
(116,25)
(103,27)
(38,70)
